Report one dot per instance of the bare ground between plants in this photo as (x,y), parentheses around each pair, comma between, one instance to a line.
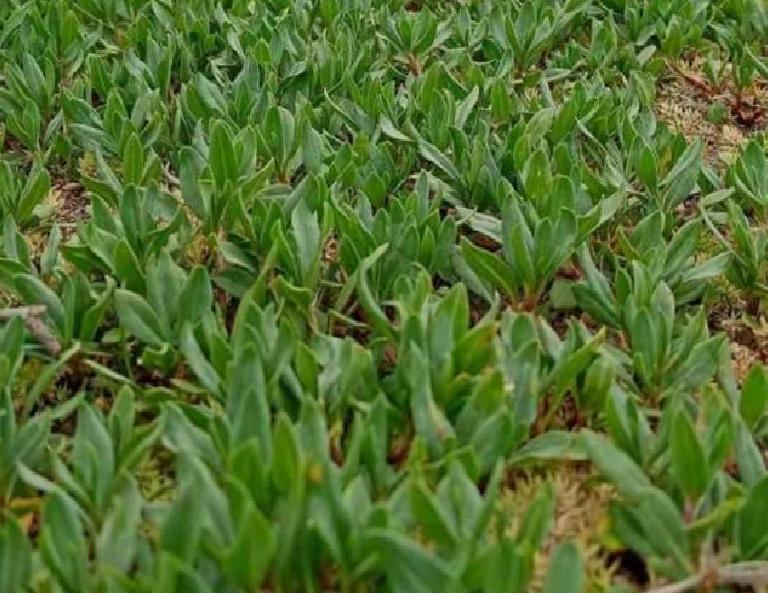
(684,101)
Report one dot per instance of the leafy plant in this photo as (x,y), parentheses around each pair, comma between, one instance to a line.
(381,297)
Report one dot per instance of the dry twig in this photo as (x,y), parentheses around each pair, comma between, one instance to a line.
(32,316)
(741,574)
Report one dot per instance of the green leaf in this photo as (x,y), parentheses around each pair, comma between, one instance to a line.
(566,570)
(223,159)
(754,395)
(748,456)
(537,520)
(248,558)
(378,318)
(551,446)
(616,465)
(437,158)
(138,317)
(389,130)
(689,462)
(189,174)
(490,268)
(36,190)
(432,518)
(306,230)
(196,298)
(127,267)
(15,558)
(183,525)
(681,180)
(752,534)
(63,544)
(117,541)
(35,292)
(646,168)
(133,160)
(197,361)
(410,567)
(287,458)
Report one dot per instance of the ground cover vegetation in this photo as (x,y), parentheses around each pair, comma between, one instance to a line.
(383,296)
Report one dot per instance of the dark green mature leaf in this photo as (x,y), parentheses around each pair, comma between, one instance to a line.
(35,292)
(489,268)
(409,567)
(205,372)
(15,558)
(689,462)
(138,317)
(196,297)
(616,465)
(753,537)
(182,527)
(36,190)
(63,543)
(566,570)
(222,154)
(327,416)
(248,558)
(754,395)
(432,518)
(118,539)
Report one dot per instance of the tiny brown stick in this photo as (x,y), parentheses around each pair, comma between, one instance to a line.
(742,574)
(32,315)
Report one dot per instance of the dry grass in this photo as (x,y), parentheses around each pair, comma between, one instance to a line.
(748,341)
(683,102)
(581,515)
(71,205)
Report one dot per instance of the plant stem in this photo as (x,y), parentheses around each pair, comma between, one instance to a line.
(742,574)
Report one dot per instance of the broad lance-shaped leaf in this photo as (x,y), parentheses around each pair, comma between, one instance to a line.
(431,516)
(378,318)
(660,519)
(410,567)
(35,191)
(570,365)
(566,570)
(133,160)
(689,463)
(752,534)
(437,158)
(63,544)
(117,541)
(222,155)
(288,460)
(616,465)
(681,180)
(249,555)
(754,396)
(280,132)
(127,267)
(197,361)
(138,317)
(93,455)
(15,558)
(306,231)
(35,292)
(489,268)
(748,456)
(189,174)
(196,298)
(183,525)
(428,418)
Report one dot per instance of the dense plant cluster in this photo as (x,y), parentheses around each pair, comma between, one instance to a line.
(294,288)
